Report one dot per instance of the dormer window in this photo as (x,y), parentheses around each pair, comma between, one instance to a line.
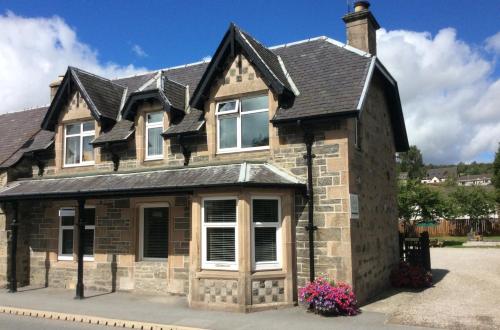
(243,124)
(77,148)
(154,139)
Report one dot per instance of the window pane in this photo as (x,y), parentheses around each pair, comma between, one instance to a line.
(220,244)
(155,117)
(155,233)
(226,106)
(228,132)
(90,217)
(67,241)
(155,141)
(67,221)
(73,129)
(265,244)
(88,149)
(220,210)
(88,242)
(265,210)
(73,150)
(254,103)
(88,126)
(255,130)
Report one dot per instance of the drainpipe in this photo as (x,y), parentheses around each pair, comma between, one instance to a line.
(309,156)
(81,233)
(13,254)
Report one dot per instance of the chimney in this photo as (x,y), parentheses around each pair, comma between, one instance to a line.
(361,28)
(54,86)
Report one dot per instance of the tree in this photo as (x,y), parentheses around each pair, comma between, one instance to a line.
(475,203)
(412,162)
(418,203)
(496,175)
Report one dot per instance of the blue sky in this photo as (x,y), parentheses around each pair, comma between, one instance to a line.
(444,53)
(176,32)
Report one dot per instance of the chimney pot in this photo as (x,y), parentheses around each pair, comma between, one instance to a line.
(54,86)
(361,5)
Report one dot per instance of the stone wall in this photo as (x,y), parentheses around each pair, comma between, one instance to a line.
(3,248)
(115,265)
(373,178)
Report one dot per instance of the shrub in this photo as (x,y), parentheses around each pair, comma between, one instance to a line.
(408,276)
(329,298)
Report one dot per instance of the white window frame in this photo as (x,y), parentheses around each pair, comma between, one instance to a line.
(66,211)
(141,229)
(267,265)
(148,127)
(219,265)
(237,113)
(82,134)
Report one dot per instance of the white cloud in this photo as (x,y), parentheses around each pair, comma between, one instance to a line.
(34,51)
(449,93)
(493,43)
(139,51)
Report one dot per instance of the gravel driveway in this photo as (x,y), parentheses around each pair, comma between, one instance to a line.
(466,294)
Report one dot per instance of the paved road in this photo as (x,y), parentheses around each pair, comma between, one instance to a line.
(12,322)
(466,294)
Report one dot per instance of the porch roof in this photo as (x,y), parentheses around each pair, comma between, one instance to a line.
(151,182)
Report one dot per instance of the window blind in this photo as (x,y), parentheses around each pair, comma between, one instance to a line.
(265,244)
(221,244)
(265,210)
(155,240)
(220,210)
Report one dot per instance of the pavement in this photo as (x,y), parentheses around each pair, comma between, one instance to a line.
(174,311)
(12,322)
(465,295)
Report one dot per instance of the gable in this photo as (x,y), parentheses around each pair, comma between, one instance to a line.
(237,42)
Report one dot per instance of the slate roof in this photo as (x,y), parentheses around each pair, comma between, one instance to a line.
(159,181)
(176,93)
(122,131)
(330,78)
(20,132)
(105,94)
(442,172)
(473,177)
(191,123)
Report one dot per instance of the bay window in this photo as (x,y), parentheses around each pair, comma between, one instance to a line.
(153,232)
(266,242)
(154,139)
(219,234)
(243,124)
(77,148)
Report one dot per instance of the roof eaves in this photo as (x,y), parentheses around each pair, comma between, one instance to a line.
(85,95)
(347,47)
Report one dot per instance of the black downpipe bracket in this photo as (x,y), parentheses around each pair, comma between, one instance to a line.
(309,156)
(13,254)
(81,233)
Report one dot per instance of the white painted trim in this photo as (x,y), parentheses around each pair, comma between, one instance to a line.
(219,265)
(295,90)
(149,82)
(122,104)
(82,134)
(282,173)
(141,228)
(303,41)
(67,212)
(366,84)
(348,47)
(267,265)
(148,127)
(243,172)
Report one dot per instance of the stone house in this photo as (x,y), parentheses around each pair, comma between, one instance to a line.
(233,181)
(475,180)
(441,174)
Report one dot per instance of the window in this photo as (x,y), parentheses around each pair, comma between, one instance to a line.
(66,230)
(219,236)
(266,233)
(154,232)
(154,139)
(77,137)
(67,218)
(243,124)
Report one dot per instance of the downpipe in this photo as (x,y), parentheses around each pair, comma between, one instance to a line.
(309,156)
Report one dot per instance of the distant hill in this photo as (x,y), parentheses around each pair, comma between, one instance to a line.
(473,168)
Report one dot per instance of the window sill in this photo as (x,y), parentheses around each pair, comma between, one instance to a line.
(64,258)
(234,151)
(153,159)
(78,165)
(266,267)
(153,260)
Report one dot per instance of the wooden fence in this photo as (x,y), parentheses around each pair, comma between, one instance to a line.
(458,228)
